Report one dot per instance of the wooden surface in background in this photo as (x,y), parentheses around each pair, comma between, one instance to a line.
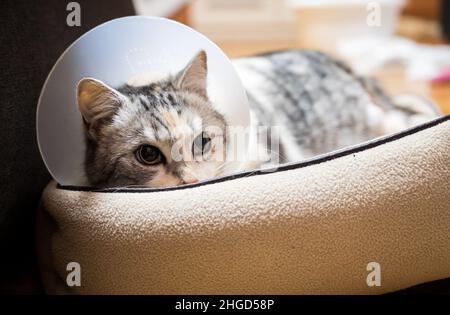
(182,15)
(395,82)
(441,95)
(428,9)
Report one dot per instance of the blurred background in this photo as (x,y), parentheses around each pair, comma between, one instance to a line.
(404,43)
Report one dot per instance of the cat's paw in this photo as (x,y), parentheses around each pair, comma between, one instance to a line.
(418,108)
(410,110)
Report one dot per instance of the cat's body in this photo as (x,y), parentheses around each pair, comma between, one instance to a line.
(318,104)
(312,103)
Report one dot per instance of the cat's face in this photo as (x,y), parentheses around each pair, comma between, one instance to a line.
(162,134)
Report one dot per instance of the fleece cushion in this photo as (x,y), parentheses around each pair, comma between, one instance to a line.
(306,228)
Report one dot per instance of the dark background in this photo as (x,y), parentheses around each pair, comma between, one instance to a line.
(445,18)
(33,35)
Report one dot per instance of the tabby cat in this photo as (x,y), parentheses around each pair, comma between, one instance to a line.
(316,103)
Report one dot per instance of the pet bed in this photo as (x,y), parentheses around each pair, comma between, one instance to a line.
(307,228)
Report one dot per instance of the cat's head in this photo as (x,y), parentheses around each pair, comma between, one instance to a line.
(161,134)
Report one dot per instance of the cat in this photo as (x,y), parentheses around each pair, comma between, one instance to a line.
(320,104)
(316,103)
(130,131)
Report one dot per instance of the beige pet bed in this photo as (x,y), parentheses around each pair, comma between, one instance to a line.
(311,227)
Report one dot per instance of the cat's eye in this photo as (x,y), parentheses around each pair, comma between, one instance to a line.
(201,144)
(149,155)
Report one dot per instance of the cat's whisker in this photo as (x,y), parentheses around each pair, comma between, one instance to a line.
(221,167)
(277,153)
(118,188)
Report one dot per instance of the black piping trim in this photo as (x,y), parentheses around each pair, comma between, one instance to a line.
(286,167)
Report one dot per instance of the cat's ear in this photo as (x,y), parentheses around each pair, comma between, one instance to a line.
(97,103)
(193,76)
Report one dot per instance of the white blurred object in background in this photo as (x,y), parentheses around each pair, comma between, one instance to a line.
(323,23)
(244,20)
(161,8)
(421,62)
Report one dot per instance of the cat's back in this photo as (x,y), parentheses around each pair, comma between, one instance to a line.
(316,101)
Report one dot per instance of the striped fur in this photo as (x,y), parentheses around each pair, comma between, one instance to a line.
(163,114)
(318,103)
